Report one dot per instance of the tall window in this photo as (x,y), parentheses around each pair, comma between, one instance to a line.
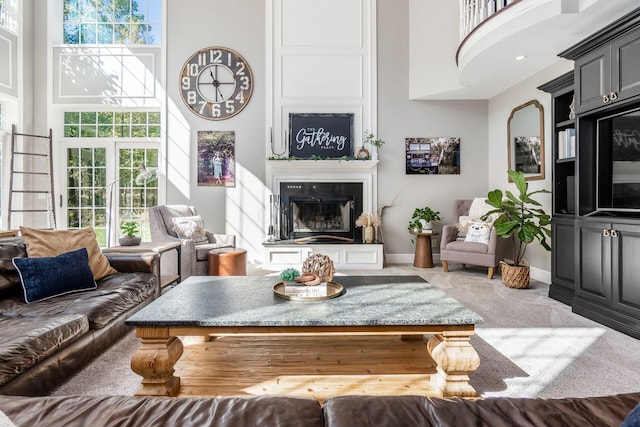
(112,163)
(112,21)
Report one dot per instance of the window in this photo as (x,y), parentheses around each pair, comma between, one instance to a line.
(112,163)
(9,15)
(126,22)
(125,124)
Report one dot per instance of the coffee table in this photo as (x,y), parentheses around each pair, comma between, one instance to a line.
(406,306)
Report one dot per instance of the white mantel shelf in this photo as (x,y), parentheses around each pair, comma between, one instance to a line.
(286,164)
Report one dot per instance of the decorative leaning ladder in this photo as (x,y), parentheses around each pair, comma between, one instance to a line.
(31,174)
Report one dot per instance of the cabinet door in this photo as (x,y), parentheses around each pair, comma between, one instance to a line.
(562,260)
(593,79)
(625,66)
(594,262)
(625,251)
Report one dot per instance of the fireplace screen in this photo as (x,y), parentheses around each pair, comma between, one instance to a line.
(321,216)
(324,209)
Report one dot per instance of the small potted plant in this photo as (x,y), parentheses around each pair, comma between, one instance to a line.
(422,220)
(370,139)
(523,217)
(129,230)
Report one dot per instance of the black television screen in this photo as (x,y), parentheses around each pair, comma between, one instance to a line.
(618,162)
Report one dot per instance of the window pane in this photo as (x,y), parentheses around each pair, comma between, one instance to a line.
(138,131)
(88,131)
(86,158)
(74,157)
(105,131)
(122,118)
(100,159)
(105,118)
(88,118)
(139,118)
(105,33)
(71,118)
(72,198)
(71,34)
(88,34)
(72,177)
(73,218)
(71,131)
(154,117)
(121,33)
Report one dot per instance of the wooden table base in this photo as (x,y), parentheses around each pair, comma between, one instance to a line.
(444,367)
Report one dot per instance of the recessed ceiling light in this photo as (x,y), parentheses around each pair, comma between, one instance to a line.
(520,57)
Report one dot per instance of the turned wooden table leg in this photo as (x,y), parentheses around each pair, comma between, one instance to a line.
(154,361)
(455,358)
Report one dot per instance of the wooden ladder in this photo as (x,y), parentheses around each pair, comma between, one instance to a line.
(34,164)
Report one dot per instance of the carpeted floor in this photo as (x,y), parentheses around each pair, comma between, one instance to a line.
(529,345)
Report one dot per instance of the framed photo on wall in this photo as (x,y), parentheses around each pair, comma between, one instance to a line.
(216,158)
(432,156)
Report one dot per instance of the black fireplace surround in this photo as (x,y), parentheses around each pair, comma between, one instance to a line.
(320,209)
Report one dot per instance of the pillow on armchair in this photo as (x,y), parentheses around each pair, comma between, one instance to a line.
(478,208)
(478,232)
(190,227)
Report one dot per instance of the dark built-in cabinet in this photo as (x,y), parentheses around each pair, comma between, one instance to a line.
(596,177)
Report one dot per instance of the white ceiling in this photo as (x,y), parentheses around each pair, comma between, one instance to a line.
(539,29)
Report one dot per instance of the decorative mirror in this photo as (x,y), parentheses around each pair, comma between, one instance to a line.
(525,140)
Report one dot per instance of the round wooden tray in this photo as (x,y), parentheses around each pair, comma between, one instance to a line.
(334,290)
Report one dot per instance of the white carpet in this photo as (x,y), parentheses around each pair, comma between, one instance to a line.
(529,344)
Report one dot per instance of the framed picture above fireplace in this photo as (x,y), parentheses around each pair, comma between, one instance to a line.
(320,135)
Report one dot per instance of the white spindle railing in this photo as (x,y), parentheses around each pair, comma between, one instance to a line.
(474,12)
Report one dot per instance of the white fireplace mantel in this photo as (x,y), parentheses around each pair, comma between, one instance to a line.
(362,171)
(347,256)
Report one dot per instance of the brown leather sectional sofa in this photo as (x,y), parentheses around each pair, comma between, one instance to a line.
(42,343)
(346,411)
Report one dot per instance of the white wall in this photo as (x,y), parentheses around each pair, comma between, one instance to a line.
(238,25)
(399,118)
(500,108)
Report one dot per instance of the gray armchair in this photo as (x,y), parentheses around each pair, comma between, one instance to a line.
(195,252)
(453,249)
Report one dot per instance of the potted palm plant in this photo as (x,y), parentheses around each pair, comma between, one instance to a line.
(129,230)
(521,217)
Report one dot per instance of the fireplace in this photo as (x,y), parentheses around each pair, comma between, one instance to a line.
(327,210)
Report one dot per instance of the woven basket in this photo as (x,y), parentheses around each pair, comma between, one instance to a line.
(513,276)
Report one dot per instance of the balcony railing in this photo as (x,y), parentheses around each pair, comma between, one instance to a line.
(474,12)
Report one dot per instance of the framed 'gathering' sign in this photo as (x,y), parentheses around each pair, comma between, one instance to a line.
(313,135)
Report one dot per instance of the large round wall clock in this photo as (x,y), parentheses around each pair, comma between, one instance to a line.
(216,83)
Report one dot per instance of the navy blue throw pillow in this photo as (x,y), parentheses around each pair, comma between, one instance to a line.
(48,277)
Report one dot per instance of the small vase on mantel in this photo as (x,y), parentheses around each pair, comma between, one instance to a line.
(368,234)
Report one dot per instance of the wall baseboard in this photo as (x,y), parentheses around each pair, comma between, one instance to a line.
(538,274)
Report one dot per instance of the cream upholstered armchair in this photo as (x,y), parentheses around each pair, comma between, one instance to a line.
(170,223)
(468,247)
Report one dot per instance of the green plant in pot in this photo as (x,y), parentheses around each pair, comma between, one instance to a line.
(522,220)
(422,219)
(129,229)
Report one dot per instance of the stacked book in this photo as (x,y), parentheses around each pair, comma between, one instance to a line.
(567,143)
(295,289)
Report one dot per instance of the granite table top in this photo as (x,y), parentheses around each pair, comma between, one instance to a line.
(250,301)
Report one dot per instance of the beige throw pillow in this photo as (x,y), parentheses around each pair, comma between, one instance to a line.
(190,227)
(50,243)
